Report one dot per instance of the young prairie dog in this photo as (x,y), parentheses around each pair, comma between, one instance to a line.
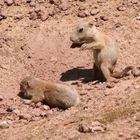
(55,95)
(104,49)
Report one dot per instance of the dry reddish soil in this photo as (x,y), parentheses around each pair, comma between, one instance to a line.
(34,40)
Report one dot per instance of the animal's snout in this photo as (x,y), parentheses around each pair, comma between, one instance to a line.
(71,39)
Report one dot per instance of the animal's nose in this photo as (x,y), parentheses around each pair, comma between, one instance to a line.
(71,38)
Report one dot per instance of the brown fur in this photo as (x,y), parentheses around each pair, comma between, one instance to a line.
(103,47)
(55,95)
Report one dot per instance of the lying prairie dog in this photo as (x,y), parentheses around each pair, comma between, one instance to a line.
(55,95)
(104,49)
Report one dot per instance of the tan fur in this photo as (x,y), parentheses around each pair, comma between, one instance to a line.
(103,47)
(55,95)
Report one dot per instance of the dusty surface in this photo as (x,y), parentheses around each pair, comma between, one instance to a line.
(35,41)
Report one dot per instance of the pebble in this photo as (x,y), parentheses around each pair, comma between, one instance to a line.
(117,25)
(32,15)
(56,2)
(4,124)
(95,126)
(9,2)
(121,8)
(137,117)
(64,5)
(134,1)
(2,15)
(104,18)
(38,104)
(44,16)
(10,108)
(94,12)
(138,18)
(25,116)
(136,72)
(84,128)
(27,102)
(17,112)
(83,14)
(1,98)
(43,114)
(46,107)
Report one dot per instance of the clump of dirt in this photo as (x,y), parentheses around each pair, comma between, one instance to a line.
(35,41)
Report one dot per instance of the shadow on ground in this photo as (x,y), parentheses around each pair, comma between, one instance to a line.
(86,75)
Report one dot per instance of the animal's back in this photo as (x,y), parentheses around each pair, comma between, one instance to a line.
(62,96)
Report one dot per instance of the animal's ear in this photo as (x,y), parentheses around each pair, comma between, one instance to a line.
(90,24)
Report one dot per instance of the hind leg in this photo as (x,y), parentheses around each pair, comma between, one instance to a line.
(106,72)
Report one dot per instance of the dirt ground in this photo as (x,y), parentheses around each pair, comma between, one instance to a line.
(35,40)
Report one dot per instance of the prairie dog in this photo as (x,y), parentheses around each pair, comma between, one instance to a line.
(55,95)
(104,49)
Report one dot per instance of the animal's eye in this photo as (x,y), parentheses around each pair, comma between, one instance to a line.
(80,30)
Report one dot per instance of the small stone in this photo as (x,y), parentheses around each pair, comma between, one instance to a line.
(17,112)
(25,116)
(137,86)
(84,13)
(104,18)
(32,4)
(97,128)
(121,8)
(38,104)
(18,17)
(35,118)
(27,102)
(2,15)
(120,134)
(46,107)
(94,12)
(44,17)
(4,124)
(110,85)
(1,97)
(9,2)
(28,1)
(136,72)
(98,22)
(56,2)
(33,15)
(10,109)
(84,128)
(134,1)
(137,117)
(138,18)
(64,5)
(135,135)
(87,13)
(81,14)
(43,114)
(117,25)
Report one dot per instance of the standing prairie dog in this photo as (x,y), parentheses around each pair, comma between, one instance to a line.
(104,49)
(55,95)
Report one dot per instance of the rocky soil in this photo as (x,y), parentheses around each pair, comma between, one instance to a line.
(35,41)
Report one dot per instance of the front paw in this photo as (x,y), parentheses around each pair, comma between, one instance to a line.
(83,47)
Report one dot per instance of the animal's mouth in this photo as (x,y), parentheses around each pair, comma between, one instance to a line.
(24,95)
(76,45)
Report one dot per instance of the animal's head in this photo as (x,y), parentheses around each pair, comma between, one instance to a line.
(83,33)
(27,87)
(32,88)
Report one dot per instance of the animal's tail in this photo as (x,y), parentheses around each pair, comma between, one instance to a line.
(123,73)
